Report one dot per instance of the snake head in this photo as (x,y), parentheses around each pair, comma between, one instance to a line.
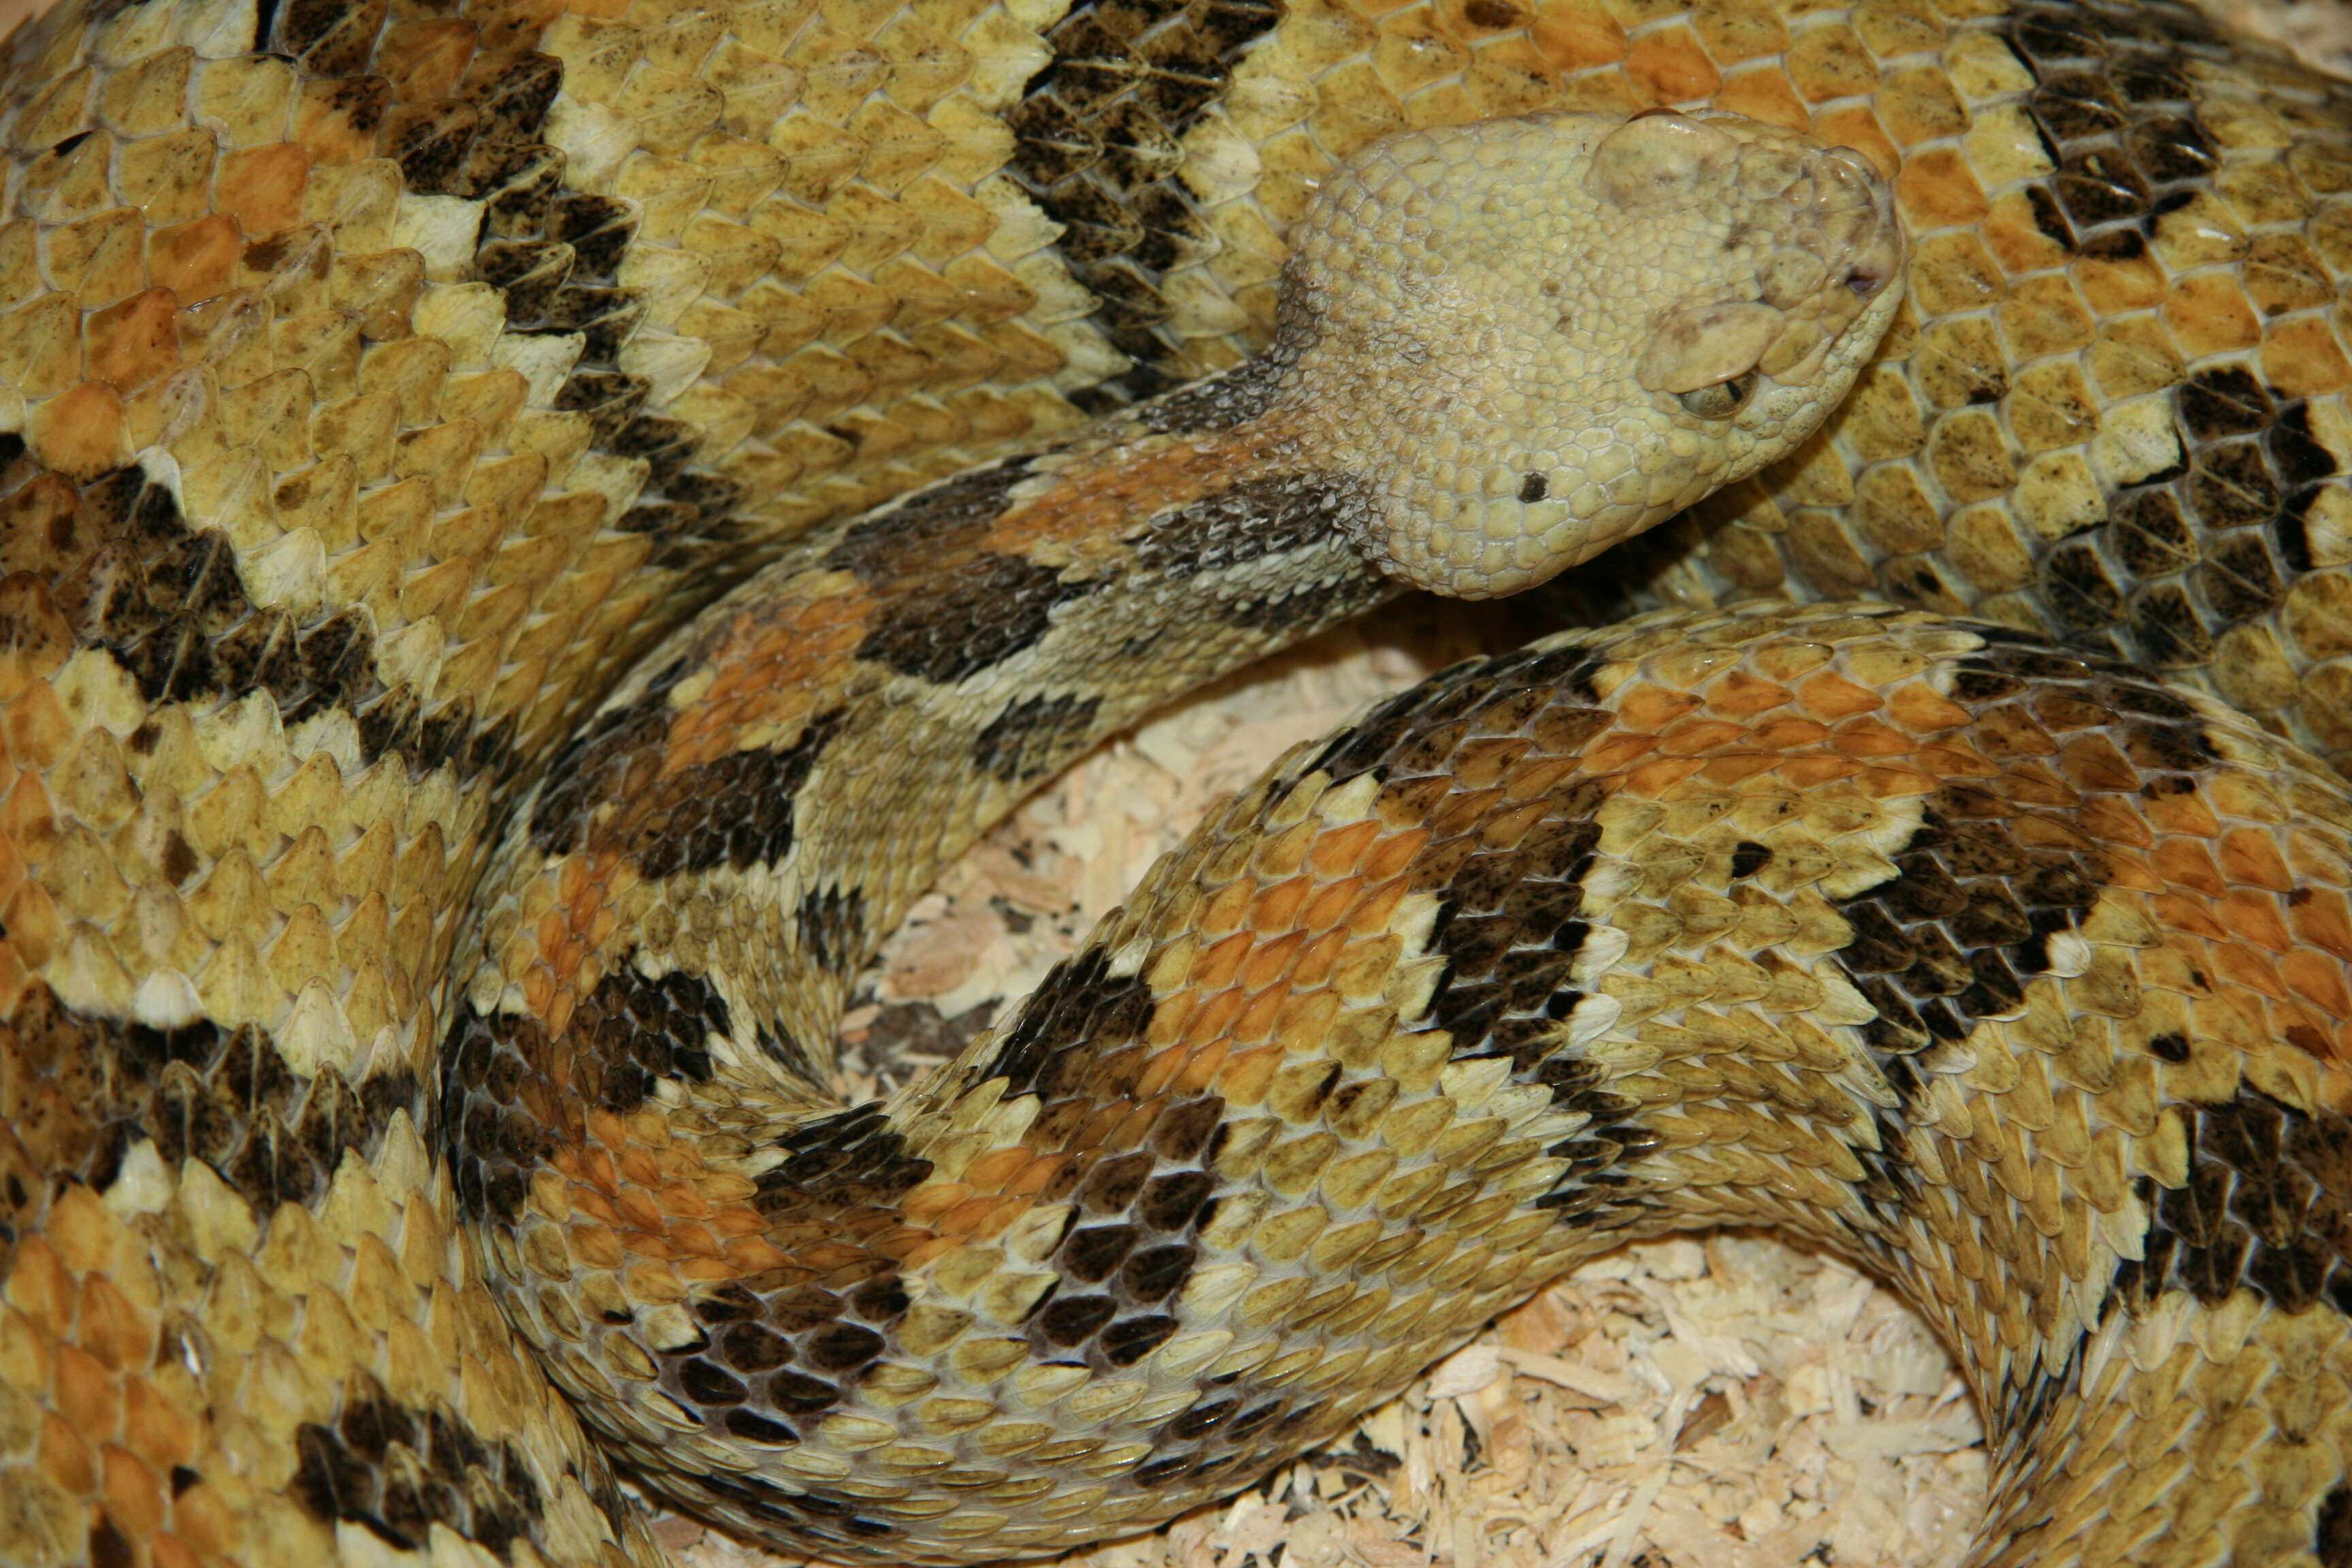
(1534,337)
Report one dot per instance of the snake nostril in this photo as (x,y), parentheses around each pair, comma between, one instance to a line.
(1865,281)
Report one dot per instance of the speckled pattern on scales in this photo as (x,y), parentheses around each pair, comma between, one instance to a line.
(388,382)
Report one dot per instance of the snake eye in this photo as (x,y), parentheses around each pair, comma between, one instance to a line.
(1721,400)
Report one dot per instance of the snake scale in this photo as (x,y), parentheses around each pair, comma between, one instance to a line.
(425,902)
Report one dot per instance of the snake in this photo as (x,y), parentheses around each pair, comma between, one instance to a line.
(533,528)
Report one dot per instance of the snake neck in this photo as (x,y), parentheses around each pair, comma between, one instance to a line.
(1008,619)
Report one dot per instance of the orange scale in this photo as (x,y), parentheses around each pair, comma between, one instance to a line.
(1330,904)
(2319,980)
(1276,909)
(1316,960)
(1957,761)
(1811,773)
(636,1165)
(993,1169)
(1169,1017)
(167,1551)
(1922,709)
(1379,908)
(1215,1018)
(1698,736)
(64,1458)
(201,1518)
(1393,854)
(2114,819)
(830,1255)
(927,1203)
(597,1168)
(639,1244)
(1200,1070)
(1245,1077)
(1256,1022)
(1832,696)
(684,1201)
(1892,783)
(2321,918)
(2188,813)
(1227,908)
(162,1433)
(2091,763)
(1742,694)
(898,1237)
(1645,705)
(1618,753)
(1160,1071)
(1786,733)
(1864,738)
(707,1270)
(1039,1175)
(754,1255)
(538,992)
(1855,126)
(85,1392)
(925,1253)
(2032,784)
(1213,967)
(2315,860)
(696,1239)
(608,1129)
(596,1245)
(1305,1019)
(1738,767)
(2255,917)
(1535,780)
(2189,917)
(2132,874)
(1655,778)
(1336,853)
(131,1494)
(596,1205)
(2251,856)
(2050,833)
(636,1207)
(901,1245)
(969,1216)
(1764,94)
(2184,863)
(738,1222)
(1002,1213)
(2235,963)
(1268,963)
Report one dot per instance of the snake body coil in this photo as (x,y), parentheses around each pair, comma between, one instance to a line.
(421,929)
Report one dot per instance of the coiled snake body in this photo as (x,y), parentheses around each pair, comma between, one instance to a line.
(420,931)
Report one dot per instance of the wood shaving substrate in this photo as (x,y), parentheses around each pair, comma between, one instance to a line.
(1723,1400)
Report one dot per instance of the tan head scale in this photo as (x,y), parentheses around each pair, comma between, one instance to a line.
(1534,337)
